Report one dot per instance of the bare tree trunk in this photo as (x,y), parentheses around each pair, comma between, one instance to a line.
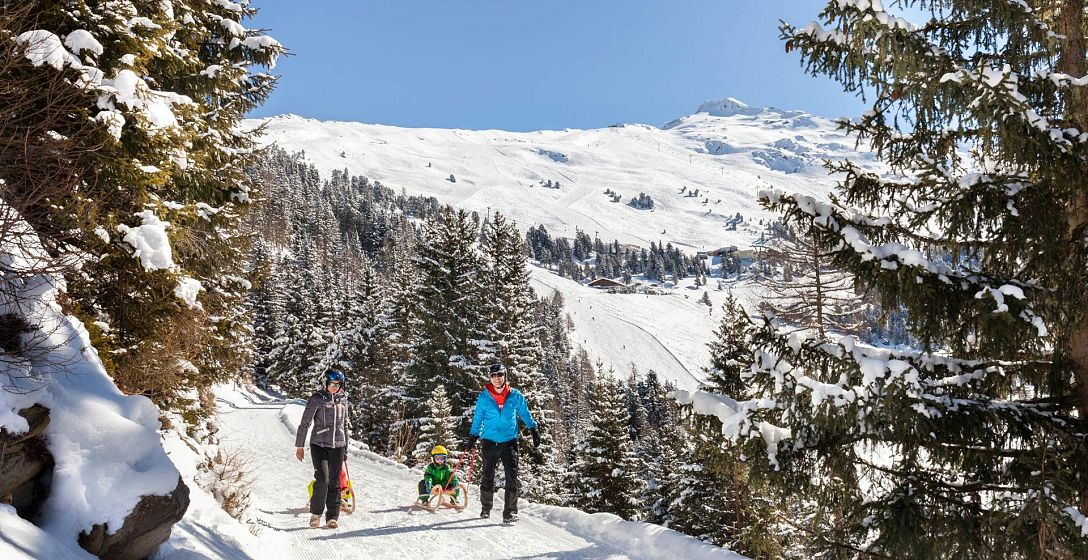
(818,286)
(1072,62)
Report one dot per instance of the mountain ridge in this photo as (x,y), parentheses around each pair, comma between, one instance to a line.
(701,170)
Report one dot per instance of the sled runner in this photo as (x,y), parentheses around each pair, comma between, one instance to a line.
(347,491)
(453,498)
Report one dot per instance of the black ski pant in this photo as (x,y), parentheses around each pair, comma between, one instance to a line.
(327,464)
(493,452)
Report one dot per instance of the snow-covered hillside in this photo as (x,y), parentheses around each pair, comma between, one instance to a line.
(667,333)
(727,150)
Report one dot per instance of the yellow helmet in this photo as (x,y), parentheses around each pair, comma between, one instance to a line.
(439,450)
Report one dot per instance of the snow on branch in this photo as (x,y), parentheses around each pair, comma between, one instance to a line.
(735,417)
(849,226)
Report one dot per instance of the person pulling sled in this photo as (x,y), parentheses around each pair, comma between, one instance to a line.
(327,410)
(496,423)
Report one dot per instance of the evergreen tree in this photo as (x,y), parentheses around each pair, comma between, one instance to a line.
(730,353)
(974,445)
(449,316)
(154,110)
(437,428)
(366,353)
(605,467)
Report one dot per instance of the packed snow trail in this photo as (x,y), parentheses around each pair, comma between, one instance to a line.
(382,525)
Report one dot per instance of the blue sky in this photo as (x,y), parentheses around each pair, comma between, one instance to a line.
(520,65)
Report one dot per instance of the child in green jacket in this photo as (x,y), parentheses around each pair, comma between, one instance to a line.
(437,473)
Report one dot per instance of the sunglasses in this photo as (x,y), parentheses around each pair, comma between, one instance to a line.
(334,384)
(499,374)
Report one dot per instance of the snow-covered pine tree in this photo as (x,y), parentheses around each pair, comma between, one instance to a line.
(975,445)
(437,428)
(299,353)
(555,362)
(604,470)
(662,446)
(730,352)
(166,85)
(366,354)
(712,496)
(636,407)
(404,311)
(449,313)
(265,306)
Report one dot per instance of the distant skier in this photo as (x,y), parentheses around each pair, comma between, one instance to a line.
(496,421)
(328,410)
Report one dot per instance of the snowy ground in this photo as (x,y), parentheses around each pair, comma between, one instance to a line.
(383,527)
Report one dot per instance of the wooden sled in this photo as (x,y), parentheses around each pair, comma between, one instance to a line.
(451,499)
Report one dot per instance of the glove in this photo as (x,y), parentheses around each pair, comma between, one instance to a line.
(470,443)
(537,456)
(536,437)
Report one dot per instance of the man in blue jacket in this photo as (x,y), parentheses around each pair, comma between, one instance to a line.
(496,422)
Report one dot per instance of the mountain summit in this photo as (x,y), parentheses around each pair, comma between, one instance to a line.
(727,108)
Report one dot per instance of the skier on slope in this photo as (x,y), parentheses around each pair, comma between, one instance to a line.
(328,410)
(496,422)
(438,473)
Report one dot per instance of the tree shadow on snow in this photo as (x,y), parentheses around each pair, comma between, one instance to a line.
(586,553)
(290,511)
(397,509)
(395,530)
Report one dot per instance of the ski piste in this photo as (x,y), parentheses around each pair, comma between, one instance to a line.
(382,526)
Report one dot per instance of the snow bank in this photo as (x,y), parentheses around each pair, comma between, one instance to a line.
(22,540)
(106,444)
(206,531)
(642,540)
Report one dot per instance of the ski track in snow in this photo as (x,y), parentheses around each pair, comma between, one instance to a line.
(382,525)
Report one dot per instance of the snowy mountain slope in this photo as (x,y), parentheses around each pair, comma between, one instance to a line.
(383,528)
(667,333)
(727,151)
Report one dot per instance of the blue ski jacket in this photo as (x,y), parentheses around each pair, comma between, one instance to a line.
(500,424)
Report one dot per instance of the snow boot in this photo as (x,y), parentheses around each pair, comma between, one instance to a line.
(513,517)
(315,520)
(485,514)
(331,524)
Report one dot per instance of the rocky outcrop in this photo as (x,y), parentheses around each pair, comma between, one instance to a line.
(26,471)
(147,527)
(26,467)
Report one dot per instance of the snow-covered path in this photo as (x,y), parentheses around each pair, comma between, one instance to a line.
(383,527)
